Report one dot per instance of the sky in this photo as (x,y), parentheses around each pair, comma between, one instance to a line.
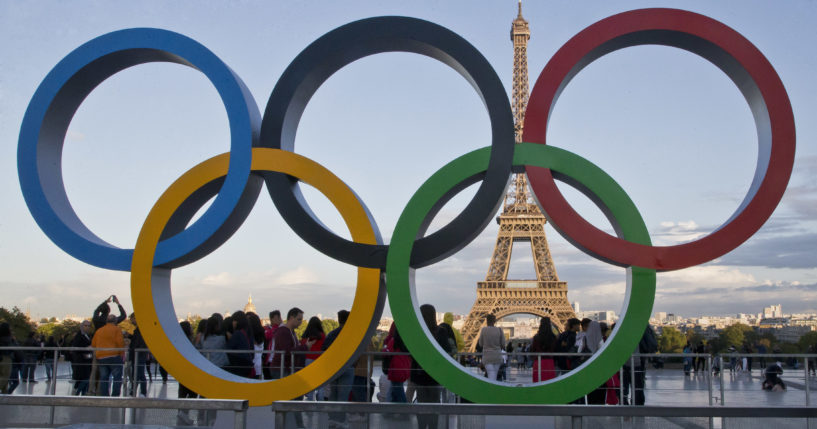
(667,125)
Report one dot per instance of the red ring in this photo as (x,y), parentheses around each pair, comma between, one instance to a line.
(725,48)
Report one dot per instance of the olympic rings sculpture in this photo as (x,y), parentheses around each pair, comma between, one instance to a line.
(262,153)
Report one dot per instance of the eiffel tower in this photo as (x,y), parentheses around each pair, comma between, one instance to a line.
(520,221)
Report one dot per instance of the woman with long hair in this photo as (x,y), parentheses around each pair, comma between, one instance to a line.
(544,341)
(313,331)
(214,340)
(257,344)
(240,341)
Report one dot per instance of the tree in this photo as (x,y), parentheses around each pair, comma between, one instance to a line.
(20,324)
(58,330)
(671,340)
(329,325)
(194,322)
(806,341)
(694,337)
(735,335)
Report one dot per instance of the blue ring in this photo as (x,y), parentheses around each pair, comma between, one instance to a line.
(42,135)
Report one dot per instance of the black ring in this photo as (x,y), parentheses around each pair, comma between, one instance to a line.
(328,54)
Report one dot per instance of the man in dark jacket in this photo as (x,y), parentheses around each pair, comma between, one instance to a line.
(80,359)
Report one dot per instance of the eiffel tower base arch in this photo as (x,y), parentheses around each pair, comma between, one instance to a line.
(547,299)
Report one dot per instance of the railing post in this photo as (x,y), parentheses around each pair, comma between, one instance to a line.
(720,372)
(280,419)
(709,384)
(621,389)
(709,376)
(805,373)
(240,420)
(54,372)
(134,383)
(632,381)
(576,422)
(369,372)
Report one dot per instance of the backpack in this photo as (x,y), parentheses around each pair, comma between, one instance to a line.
(399,368)
(648,343)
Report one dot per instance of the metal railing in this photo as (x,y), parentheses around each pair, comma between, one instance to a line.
(577,414)
(128,405)
(715,368)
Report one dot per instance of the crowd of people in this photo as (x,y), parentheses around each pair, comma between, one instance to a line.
(242,345)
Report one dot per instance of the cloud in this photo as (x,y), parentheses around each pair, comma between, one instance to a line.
(795,298)
(75,136)
(300,275)
(709,275)
(670,232)
(790,251)
(221,279)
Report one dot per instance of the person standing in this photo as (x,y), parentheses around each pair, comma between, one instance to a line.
(214,340)
(566,343)
(241,364)
(7,357)
(137,350)
(341,386)
(30,358)
(258,339)
(647,345)
(492,341)
(109,361)
(314,331)
(48,357)
(593,340)
(543,342)
(428,390)
(283,344)
(762,350)
(269,333)
(81,360)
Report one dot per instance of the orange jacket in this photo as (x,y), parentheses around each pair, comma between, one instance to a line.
(108,336)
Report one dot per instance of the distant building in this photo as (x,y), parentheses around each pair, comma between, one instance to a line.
(606,316)
(773,311)
(250,307)
(576,308)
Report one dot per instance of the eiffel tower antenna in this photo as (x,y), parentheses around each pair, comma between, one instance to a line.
(520,221)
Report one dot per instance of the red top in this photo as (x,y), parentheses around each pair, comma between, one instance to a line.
(315,347)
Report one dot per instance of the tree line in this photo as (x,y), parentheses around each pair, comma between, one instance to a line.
(672,340)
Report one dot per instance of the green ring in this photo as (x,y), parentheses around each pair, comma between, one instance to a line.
(607,194)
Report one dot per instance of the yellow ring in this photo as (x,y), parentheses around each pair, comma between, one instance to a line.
(158,327)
